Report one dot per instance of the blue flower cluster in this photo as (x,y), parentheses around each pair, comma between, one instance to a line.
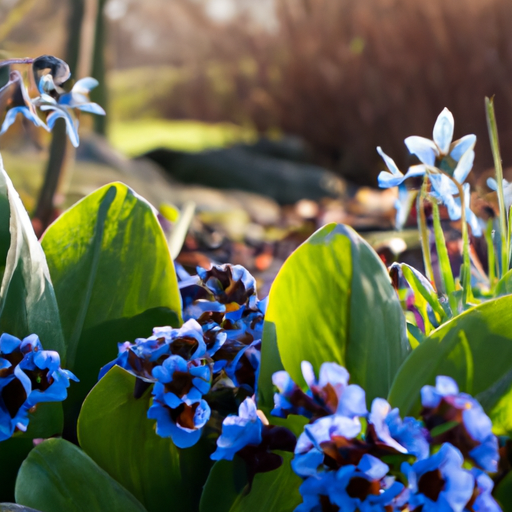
(50,73)
(444,162)
(394,463)
(29,376)
(216,350)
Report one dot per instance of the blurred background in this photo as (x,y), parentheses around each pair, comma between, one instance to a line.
(281,100)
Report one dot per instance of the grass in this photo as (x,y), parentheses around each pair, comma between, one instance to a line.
(136,137)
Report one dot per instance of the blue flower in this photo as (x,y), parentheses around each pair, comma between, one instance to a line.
(29,375)
(393,176)
(182,424)
(482,499)
(178,406)
(15,94)
(179,381)
(62,105)
(330,438)
(140,358)
(471,432)
(428,151)
(239,431)
(387,429)
(230,283)
(187,341)
(315,492)
(330,394)
(439,484)
(364,487)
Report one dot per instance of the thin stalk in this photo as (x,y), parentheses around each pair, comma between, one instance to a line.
(424,235)
(491,257)
(444,260)
(495,146)
(8,62)
(466,259)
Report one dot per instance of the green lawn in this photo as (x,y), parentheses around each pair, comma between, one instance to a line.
(136,137)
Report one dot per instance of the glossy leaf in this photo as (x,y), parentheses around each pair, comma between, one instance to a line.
(113,276)
(503,493)
(15,451)
(475,348)
(333,301)
(115,432)
(27,298)
(59,477)
(226,489)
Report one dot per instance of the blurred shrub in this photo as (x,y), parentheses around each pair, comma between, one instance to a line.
(346,76)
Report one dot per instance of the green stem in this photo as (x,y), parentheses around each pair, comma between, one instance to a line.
(424,235)
(495,146)
(466,259)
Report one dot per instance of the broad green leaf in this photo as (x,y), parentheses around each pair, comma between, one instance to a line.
(13,452)
(113,277)
(474,348)
(333,301)
(115,432)
(269,364)
(27,298)
(59,477)
(45,421)
(503,493)
(226,489)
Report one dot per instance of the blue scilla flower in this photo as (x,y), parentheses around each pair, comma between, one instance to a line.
(187,341)
(239,431)
(315,492)
(472,428)
(482,499)
(439,483)
(182,424)
(140,358)
(15,94)
(230,283)
(178,406)
(331,438)
(507,190)
(387,430)
(180,381)
(330,394)
(364,487)
(29,375)
(430,152)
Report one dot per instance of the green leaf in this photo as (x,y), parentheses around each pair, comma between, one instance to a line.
(269,364)
(58,477)
(13,452)
(474,348)
(113,277)
(27,298)
(333,301)
(226,489)
(115,432)
(503,493)
(504,286)
(45,421)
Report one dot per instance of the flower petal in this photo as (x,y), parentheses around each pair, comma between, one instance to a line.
(423,148)
(443,131)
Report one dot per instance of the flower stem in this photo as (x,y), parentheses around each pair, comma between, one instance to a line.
(8,62)
(424,235)
(495,146)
